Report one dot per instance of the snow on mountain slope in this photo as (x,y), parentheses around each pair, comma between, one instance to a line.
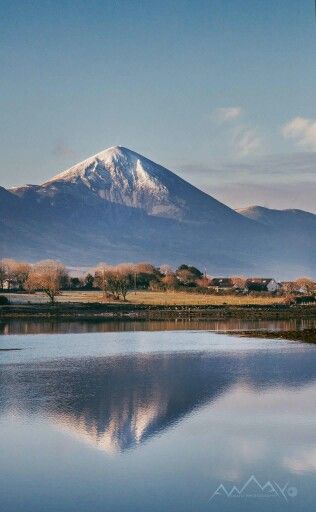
(119,175)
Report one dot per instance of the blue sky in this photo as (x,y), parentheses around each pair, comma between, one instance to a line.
(220,91)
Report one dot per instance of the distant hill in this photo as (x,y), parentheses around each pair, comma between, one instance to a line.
(119,206)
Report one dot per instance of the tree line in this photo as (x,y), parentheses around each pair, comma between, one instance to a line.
(116,281)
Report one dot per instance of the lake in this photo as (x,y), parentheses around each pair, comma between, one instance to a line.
(155,420)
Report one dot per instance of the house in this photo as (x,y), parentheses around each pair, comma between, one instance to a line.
(221,283)
(297,287)
(262,284)
(10,284)
(6,285)
(291,287)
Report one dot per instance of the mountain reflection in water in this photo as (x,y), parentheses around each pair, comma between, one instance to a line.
(119,401)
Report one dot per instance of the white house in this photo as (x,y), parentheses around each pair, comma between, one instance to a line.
(262,284)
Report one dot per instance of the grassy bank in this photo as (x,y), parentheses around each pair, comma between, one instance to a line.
(146,305)
(149,298)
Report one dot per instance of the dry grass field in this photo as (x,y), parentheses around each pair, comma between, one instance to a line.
(150,298)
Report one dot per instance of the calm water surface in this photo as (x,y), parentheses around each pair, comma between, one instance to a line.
(156,421)
(19,326)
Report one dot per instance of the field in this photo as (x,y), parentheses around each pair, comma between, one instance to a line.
(150,298)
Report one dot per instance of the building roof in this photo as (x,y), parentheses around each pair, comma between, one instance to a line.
(222,282)
(259,280)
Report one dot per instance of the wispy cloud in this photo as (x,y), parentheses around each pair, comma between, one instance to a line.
(293,166)
(242,138)
(246,141)
(301,130)
(276,181)
(225,114)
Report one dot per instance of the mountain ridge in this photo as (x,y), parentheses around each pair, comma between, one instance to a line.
(118,205)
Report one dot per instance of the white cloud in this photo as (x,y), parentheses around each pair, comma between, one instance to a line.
(246,141)
(302,130)
(225,114)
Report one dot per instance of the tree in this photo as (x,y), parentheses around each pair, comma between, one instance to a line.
(116,279)
(239,281)
(306,284)
(75,283)
(47,276)
(170,281)
(166,270)
(16,272)
(88,282)
(203,282)
(145,274)
(289,287)
(8,265)
(124,274)
(3,274)
(194,271)
(188,275)
(20,272)
(101,277)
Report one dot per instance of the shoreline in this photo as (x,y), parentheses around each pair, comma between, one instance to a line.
(138,312)
(304,335)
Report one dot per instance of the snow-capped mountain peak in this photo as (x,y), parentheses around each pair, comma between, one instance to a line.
(122,176)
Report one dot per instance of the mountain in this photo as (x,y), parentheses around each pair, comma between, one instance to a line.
(120,206)
(116,403)
(121,176)
(296,230)
(280,218)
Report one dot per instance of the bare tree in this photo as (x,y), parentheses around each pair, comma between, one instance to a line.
(166,270)
(203,282)
(306,284)
(3,274)
(101,277)
(238,281)
(47,276)
(289,287)
(124,276)
(170,281)
(15,272)
(116,279)
(186,277)
(9,265)
(141,268)
(19,271)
